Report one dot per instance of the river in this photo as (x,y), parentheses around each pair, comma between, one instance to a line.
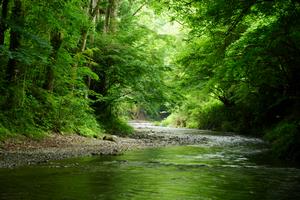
(223,167)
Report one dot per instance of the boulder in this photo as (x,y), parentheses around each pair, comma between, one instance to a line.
(111,138)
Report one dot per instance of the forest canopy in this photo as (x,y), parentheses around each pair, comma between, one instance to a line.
(74,66)
(240,68)
(87,66)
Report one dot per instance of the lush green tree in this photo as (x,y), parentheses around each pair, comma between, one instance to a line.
(72,66)
(129,60)
(79,65)
(244,54)
(38,62)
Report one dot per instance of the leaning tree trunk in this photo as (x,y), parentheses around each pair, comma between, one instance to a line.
(84,34)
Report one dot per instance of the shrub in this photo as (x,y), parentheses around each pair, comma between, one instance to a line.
(115,125)
(285,140)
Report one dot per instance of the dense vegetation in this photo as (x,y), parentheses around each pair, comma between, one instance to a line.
(240,68)
(72,66)
(83,65)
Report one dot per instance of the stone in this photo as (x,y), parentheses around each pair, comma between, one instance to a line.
(111,138)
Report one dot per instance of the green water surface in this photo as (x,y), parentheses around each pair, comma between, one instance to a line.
(207,172)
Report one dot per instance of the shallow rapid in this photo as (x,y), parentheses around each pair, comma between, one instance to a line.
(216,167)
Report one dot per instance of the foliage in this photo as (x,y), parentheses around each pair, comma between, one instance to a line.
(83,66)
(285,140)
(245,55)
(27,106)
(131,69)
(117,126)
(78,66)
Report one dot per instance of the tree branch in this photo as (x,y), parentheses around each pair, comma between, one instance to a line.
(239,17)
(140,8)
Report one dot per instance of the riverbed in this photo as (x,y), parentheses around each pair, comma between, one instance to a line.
(193,164)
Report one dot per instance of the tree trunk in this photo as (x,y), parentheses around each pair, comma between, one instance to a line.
(93,14)
(107,17)
(56,41)
(84,34)
(15,41)
(113,15)
(110,24)
(3,19)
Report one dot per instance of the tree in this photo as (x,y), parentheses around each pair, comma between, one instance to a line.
(235,54)
(3,19)
(65,64)
(15,40)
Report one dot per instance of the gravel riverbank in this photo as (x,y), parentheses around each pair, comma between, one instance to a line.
(20,152)
(25,151)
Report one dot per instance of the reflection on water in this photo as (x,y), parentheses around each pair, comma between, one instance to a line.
(229,171)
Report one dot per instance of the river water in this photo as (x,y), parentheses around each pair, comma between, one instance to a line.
(224,167)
